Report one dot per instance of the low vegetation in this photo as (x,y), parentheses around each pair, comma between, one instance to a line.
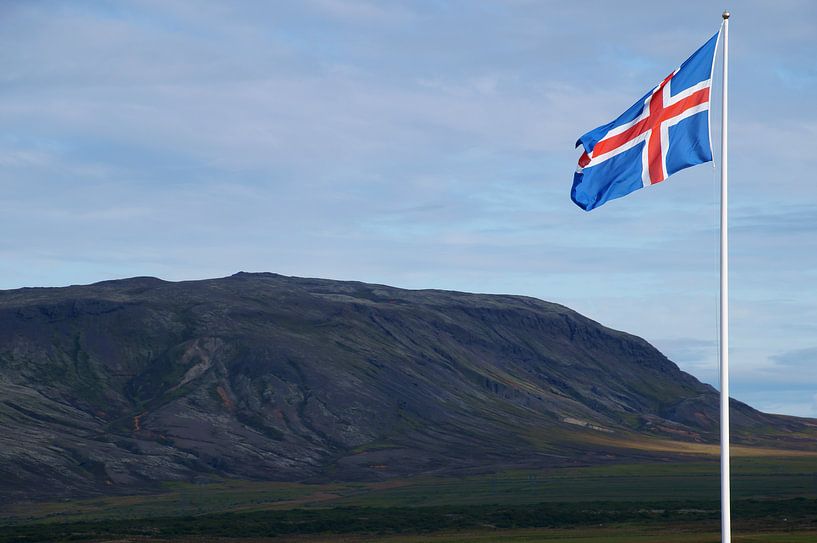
(775,498)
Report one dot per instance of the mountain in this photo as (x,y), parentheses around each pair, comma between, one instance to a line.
(117,386)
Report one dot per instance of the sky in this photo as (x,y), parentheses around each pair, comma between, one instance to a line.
(422,145)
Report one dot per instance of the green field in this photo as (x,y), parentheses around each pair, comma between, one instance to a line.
(774,500)
(602,535)
(605,535)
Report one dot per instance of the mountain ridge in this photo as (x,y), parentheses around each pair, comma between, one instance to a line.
(120,385)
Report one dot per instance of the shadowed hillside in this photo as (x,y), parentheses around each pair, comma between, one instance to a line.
(119,385)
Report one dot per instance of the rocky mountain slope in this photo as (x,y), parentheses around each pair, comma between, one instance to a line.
(116,386)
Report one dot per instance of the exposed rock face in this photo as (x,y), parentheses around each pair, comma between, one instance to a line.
(122,384)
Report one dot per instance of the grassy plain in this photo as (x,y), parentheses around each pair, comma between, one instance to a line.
(761,478)
(775,500)
(603,535)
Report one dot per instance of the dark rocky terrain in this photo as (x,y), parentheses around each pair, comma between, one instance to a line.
(117,386)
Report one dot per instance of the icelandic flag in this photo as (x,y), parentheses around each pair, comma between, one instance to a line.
(667,130)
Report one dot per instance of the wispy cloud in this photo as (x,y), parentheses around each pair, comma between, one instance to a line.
(798,360)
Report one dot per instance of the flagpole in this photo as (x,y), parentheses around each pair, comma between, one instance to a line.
(726,528)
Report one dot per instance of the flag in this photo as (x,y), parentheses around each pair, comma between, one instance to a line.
(667,130)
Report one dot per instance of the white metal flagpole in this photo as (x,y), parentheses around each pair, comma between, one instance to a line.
(726,528)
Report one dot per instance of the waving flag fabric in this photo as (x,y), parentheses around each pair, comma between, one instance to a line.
(667,130)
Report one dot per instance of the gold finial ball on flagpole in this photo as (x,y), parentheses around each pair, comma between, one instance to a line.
(726,14)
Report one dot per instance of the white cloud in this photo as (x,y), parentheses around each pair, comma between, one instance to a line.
(363,11)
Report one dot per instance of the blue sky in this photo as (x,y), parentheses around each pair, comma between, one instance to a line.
(417,144)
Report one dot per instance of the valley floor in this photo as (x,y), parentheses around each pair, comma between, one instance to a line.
(606,535)
(775,501)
